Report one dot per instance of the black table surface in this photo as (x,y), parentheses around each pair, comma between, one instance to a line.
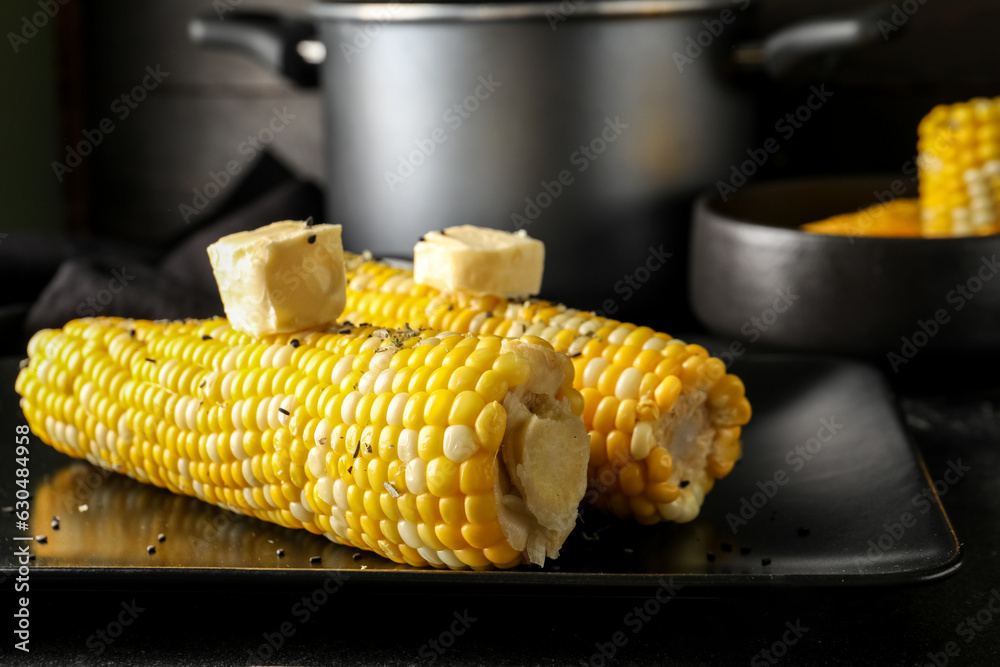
(955,621)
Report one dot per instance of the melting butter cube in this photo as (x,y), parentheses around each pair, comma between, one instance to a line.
(478,259)
(281,278)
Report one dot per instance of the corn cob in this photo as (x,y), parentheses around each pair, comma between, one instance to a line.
(896,218)
(959,169)
(664,417)
(446,450)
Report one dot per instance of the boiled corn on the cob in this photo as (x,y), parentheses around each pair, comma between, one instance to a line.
(959,169)
(664,417)
(896,218)
(431,449)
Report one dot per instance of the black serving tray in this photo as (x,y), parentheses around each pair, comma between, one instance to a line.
(836,518)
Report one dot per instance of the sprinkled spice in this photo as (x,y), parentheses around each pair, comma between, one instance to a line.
(161,538)
(315,560)
(202,385)
(152,361)
(357,555)
(684,483)
(55,524)
(284,411)
(310,222)
(391,489)
(41,539)
(31,556)
(132,332)
(206,337)
(312,239)
(281,553)
(151,550)
(294,342)
(803,532)
(765,561)
(357,450)
(350,469)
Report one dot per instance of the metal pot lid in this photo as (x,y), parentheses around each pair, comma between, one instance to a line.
(384,12)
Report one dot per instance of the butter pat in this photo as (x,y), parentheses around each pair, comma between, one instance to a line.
(280,278)
(482,260)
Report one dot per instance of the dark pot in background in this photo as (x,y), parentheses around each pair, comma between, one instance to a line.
(572,121)
(872,297)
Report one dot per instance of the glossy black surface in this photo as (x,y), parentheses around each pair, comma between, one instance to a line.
(857,295)
(825,459)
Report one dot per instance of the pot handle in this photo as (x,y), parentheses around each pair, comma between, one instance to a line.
(284,44)
(787,50)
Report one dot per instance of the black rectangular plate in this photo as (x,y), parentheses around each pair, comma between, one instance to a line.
(830,492)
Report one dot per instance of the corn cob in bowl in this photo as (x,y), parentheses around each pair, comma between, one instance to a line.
(446,450)
(664,417)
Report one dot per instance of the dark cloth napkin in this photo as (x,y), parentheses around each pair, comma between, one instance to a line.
(181,284)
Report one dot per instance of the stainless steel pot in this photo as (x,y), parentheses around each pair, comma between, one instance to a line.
(589,124)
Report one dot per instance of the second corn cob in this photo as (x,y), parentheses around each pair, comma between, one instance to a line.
(445,450)
(664,417)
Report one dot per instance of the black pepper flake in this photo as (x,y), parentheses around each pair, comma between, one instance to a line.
(202,385)
(710,556)
(745,550)
(765,561)
(151,550)
(451,307)
(350,470)
(41,539)
(310,222)
(294,342)
(357,556)
(132,333)
(368,448)
(357,450)
(803,532)
(31,556)
(574,356)
(206,337)
(726,546)
(284,411)
(312,239)
(315,560)
(281,553)
(161,538)
(684,483)
(152,361)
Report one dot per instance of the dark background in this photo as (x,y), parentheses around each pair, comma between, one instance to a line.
(129,190)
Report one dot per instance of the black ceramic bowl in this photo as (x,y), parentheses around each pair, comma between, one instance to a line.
(756,278)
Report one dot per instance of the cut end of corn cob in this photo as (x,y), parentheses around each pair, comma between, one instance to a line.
(286,276)
(480,260)
(664,417)
(442,449)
